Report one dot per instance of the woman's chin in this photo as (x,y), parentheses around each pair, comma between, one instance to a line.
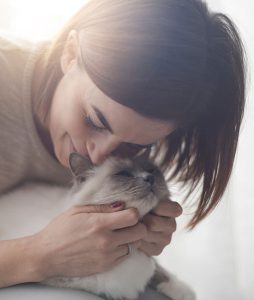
(63,158)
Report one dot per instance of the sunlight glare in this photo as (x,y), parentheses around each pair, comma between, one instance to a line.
(37,20)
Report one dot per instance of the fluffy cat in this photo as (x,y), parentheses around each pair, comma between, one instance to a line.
(137,182)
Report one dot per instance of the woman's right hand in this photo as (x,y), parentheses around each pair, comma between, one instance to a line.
(87,239)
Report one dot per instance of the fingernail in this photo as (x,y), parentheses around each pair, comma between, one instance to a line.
(117,204)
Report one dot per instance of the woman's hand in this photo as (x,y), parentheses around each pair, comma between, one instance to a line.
(161,225)
(87,239)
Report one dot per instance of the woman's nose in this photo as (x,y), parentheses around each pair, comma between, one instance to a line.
(99,151)
(94,153)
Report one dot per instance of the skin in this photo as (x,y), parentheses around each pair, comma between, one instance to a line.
(73,121)
(73,125)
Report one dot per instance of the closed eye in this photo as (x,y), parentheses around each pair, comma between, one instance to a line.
(151,170)
(139,147)
(91,124)
(124,173)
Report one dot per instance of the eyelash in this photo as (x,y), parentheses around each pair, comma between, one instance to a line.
(91,124)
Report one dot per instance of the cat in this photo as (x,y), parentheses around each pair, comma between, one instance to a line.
(137,182)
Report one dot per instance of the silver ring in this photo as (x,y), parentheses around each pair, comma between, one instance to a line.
(129,249)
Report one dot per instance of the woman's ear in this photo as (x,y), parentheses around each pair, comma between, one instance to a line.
(70,51)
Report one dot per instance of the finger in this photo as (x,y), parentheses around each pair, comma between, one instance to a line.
(168,209)
(120,259)
(136,244)
(120,251)
(150,249)
(158,238)
(130,235)
(115,256)
(99,208)
(159,224)
(119,255)
(121,219)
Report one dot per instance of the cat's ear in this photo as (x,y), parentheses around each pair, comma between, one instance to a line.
(79,164)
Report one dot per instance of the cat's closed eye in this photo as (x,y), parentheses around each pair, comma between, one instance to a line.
(150,170)
(125,173)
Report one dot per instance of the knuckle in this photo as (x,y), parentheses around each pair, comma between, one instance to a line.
(96,227)
(166,240)
(140,231)
(151,224)
(104,243)
(157,210)
(157,252)
(144,231)
(133,215)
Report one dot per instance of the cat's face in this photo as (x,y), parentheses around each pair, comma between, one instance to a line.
(137,182)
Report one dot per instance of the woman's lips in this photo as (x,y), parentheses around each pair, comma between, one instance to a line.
(74,149)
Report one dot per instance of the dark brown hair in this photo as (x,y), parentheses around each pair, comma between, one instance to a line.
(168,60)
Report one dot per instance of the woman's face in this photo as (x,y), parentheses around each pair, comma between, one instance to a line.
(85,120)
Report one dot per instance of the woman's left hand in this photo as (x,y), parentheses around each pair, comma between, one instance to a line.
(161,224)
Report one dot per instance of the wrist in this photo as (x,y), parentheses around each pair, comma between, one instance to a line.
(39,260)
(32,259)
(20,261)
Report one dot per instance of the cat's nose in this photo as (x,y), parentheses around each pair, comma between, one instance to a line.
(149,178)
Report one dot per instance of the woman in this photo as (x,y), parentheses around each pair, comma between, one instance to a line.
(120,77)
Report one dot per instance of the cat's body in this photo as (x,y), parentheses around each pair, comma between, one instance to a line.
(26,211)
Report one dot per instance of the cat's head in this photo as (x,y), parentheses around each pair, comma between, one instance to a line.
(137,182)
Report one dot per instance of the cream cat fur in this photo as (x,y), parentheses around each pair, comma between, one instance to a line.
(138,183)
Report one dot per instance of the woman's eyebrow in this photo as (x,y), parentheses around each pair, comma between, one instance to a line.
(102,119)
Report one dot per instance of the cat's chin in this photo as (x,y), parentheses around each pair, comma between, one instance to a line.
(143,206)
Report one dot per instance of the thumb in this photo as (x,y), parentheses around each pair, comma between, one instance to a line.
(100,208)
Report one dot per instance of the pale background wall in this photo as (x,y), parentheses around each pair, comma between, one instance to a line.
(217,257)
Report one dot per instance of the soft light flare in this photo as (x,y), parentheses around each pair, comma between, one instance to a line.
(37,20)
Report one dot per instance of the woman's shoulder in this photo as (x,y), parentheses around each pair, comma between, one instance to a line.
(14,56)
(13,59)
(10,42)
(13,53)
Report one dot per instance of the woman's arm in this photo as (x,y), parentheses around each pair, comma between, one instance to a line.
(81,241)
(19,261)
